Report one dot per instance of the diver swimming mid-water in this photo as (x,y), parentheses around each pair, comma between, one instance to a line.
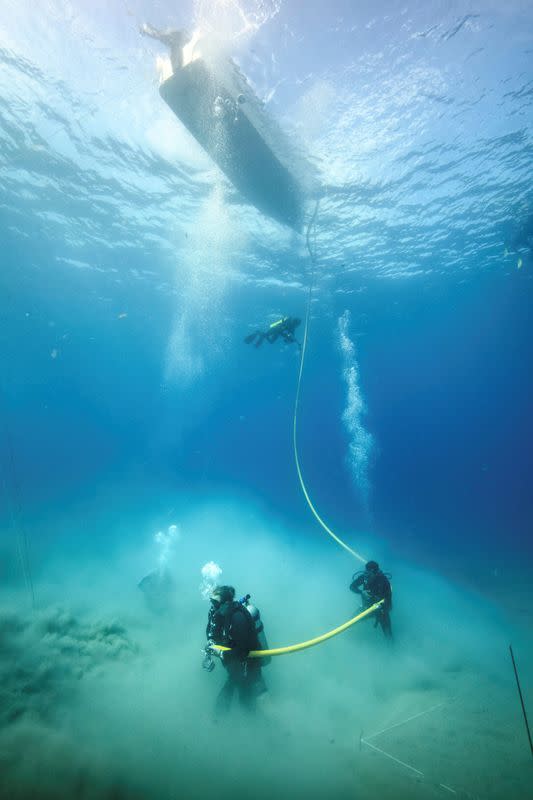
(521,241)
(283,328)
(522,236)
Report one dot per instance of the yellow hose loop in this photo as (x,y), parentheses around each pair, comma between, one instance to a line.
(294,648)
(317,516)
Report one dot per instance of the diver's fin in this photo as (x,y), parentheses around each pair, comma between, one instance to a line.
(251,336)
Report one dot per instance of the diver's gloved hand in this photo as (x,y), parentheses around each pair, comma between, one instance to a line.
(214,651)
(207,662)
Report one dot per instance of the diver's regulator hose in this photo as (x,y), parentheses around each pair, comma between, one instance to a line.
(294,648)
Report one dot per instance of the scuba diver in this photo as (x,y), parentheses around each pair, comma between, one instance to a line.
(159,591)
(521,241)
(175,40)
(235,624)
(522,237)
(283,328)
(373,585)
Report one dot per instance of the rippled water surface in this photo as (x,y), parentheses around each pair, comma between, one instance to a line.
(417,116)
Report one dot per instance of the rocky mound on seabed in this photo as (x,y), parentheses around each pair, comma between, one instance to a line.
(43,660)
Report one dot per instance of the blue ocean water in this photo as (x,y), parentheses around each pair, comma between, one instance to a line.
(131,272)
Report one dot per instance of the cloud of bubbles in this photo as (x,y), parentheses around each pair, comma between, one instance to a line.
(211,572)
(165,541)
(361,441)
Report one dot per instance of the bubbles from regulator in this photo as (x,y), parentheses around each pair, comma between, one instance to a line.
(165,542)
(361,443)
(158,586)
(211,573)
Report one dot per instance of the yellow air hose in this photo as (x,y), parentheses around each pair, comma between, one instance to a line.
(328,530)
(294,648)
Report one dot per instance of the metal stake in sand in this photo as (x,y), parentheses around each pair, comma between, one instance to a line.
(521,699)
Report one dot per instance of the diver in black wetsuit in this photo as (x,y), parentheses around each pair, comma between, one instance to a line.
(175,40)
(522,237)
(230,624)
(283,328)
(373,585)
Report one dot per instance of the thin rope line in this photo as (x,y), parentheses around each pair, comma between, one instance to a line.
(393,758)
(405,721)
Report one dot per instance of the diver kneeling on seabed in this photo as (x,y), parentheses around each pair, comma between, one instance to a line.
(374,585)
(235,624)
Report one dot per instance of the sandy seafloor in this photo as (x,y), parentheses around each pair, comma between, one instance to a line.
(100,698)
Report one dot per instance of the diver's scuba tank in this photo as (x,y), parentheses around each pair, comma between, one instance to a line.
(259,628)
(211,653)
